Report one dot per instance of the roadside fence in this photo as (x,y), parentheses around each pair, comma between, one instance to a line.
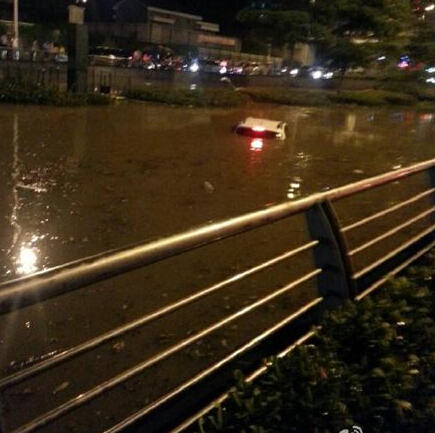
(325,251)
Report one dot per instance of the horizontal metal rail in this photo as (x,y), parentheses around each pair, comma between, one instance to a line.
(393,253)
(90,395)
(395,271)
(257,373)
(385,212)
(195,380)
(118,332)
(392,232)
(44,285)
(217,402)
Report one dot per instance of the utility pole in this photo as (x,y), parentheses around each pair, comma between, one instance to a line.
(77,48)
(16,39)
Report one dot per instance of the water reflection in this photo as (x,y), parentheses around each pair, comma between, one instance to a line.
(350,133)
(25,257)
(15,184)
(27,261)
(257,145)
(427,118)
(409,117)
(294,190)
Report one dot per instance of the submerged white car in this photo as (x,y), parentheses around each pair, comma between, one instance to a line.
(262,128)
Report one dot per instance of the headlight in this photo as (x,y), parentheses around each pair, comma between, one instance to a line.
(316,75)
(194,67)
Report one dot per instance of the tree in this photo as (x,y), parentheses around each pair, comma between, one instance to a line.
(50,13)
(279,28)
(346,32)
(422,44)
(352,32)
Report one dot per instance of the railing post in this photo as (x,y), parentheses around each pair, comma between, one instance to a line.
(336,282)
(2,428)
(431,173)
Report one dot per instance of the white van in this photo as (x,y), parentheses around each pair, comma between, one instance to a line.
(262,128)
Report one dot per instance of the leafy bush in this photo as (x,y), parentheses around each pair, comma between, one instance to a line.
(372,364)
(28,93)
(400,76)
(289,96)
(425,106)
(373,98)
(322,97)
(186,97)
(424,94)
(417,90)
(366,97)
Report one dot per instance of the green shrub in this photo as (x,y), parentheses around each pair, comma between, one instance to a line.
(402,76)
(372,98)
(186,97)
(417,90)
(425,94)
(372,364)
(289,96)
(425,106)
(28,93)
(399,98)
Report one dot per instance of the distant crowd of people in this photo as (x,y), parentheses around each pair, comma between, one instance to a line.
(37,51)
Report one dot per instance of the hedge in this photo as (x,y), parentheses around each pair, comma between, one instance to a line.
(372,364)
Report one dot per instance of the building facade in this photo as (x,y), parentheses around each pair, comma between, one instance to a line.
(136,21)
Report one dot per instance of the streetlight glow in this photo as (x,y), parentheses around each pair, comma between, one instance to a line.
(27,260)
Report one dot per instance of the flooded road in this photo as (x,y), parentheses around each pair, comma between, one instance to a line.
(75,182)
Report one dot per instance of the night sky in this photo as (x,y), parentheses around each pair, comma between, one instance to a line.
(220,11)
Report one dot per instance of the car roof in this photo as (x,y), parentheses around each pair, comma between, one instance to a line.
(271,125)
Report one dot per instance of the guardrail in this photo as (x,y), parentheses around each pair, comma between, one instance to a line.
(333,271)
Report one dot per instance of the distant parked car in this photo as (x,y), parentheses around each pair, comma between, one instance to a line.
(204,66)
(315,72)
(106,56)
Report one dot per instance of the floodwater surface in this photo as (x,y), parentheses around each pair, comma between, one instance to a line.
(74,182)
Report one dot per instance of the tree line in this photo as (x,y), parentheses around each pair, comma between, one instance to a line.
(346,33)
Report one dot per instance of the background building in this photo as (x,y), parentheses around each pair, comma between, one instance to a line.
(135,21)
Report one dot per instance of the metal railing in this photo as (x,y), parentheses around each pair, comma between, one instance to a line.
(333,271)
